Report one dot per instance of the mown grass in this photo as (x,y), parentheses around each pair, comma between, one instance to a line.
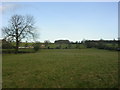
(61,68)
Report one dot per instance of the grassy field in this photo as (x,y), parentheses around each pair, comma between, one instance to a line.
(61,68)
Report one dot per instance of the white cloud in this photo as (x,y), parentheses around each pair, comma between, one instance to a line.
(7,7)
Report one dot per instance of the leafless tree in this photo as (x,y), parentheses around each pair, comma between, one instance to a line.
(19,28)
(46,42)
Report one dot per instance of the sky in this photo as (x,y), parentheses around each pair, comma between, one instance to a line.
(73,21)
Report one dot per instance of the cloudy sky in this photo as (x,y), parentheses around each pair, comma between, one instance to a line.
(74,21)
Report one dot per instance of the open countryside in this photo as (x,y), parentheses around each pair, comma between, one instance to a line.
(61,67)
(59,45)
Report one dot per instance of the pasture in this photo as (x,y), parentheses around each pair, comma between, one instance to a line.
(61,68)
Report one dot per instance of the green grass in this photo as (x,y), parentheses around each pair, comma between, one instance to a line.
(12,51)
(61,68)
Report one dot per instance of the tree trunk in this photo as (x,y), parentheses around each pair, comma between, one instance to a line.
(17,42)
(17,45)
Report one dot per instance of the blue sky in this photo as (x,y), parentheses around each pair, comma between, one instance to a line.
(74,21)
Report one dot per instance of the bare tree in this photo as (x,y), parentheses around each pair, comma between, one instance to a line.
(46,42)
(20,27)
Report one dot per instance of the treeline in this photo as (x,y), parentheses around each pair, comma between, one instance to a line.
(102,44)
(99,44)
(64,44)
(9,47)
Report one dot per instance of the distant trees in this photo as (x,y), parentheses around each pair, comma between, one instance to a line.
(59,46)
(69,46)
(6,45)
(88,44)
(59,43)
(77,44)
(102,44)
(62,42)
(20,27)
(46,42)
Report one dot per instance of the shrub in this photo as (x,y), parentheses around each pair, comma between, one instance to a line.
(88,44)
(36,46)
(7,45)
